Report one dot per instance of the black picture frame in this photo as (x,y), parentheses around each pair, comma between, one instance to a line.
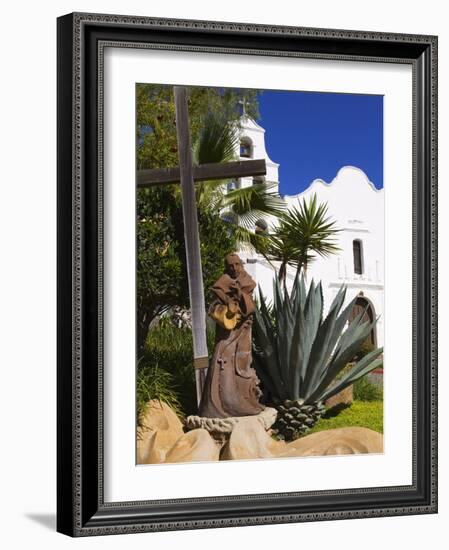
(81,510)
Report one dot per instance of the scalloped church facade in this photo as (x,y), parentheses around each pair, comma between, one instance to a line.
(358,208)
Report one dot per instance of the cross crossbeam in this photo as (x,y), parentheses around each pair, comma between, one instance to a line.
(202,172)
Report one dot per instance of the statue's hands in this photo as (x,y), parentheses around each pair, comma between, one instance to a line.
(235,289)
(233,307)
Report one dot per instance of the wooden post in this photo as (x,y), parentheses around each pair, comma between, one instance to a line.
(193,255)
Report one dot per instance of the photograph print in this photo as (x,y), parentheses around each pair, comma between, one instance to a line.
(260,274)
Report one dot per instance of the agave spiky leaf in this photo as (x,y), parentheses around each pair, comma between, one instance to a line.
(314,319)
(297,351)
(266,350)
(321,347)
(284,330)
(339,362)
(371,361)
(335,326)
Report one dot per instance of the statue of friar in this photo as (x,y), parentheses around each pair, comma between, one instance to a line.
(232,385)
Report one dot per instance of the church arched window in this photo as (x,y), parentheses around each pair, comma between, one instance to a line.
(246,148)
(258,179)
(234,184)
(357,250)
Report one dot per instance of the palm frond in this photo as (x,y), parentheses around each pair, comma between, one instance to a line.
(304,231)
(243,207)
(217,142)
(252,202)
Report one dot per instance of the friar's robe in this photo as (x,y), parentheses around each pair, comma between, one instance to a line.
(232,385)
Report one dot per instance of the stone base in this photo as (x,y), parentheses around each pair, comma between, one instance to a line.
(163,438)
(221,428)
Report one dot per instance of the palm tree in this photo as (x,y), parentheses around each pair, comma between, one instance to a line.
(240,207)
(303,232)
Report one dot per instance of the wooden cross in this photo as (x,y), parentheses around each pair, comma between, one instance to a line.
(186,174)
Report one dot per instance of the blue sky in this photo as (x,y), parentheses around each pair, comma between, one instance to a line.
(312,135)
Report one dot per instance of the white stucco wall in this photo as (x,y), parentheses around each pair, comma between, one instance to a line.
(358,209)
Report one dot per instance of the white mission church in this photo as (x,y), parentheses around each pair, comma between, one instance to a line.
(358,208)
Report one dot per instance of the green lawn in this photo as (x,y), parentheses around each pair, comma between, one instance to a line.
(368,414)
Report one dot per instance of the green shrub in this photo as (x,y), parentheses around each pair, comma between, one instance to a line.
(170,349)
(154,383)
(364,390)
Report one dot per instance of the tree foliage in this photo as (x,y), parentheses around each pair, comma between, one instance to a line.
(161,261)
(156,124)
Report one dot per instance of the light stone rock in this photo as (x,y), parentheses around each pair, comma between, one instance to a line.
(142,445)
(159,430)
(248,439)
(148,451)
(161,438)
(340,441)
(194,446)
(276,446)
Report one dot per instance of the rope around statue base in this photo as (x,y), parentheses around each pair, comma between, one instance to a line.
(224,426)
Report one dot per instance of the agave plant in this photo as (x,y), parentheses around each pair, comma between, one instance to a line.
(299,355)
